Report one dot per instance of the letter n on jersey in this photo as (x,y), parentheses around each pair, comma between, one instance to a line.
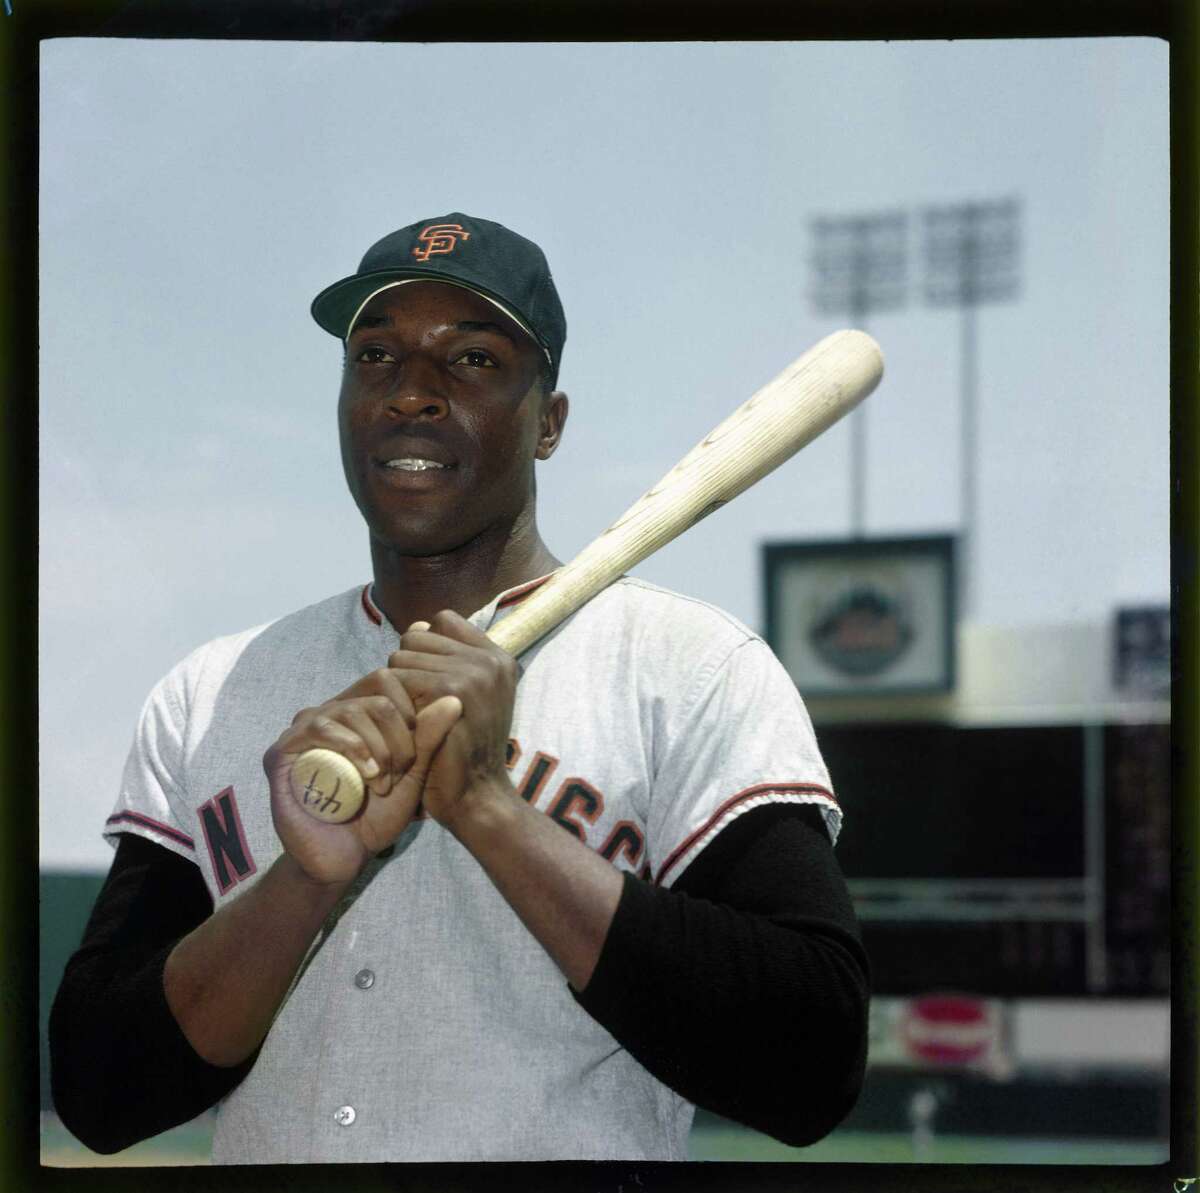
(226,839)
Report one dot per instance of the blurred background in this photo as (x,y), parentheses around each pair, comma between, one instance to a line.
(968,579)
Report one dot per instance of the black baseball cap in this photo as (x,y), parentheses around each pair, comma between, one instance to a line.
(506,269)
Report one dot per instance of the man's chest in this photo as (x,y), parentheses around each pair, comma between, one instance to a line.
(580,749)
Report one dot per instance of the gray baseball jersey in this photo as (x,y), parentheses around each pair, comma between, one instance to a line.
(426,1022)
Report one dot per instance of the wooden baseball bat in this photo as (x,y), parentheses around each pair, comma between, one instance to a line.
(809,396)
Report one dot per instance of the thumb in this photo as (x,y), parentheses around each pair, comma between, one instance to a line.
(434,723)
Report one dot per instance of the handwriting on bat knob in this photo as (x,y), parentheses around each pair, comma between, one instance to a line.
(317,795)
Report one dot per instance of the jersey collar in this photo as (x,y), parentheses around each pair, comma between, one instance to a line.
(482,618)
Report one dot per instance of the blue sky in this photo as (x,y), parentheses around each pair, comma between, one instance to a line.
(196,195)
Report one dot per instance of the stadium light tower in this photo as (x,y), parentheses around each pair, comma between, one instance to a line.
(971,252)
(860,265)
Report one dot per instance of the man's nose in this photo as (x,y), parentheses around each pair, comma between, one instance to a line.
(409,402)
(417,394)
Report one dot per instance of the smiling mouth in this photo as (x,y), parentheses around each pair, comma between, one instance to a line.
(414,464)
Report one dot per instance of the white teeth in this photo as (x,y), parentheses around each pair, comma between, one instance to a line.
(414,465)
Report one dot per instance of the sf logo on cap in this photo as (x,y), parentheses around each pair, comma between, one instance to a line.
(439,238)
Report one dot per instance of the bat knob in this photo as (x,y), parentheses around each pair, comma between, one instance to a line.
(327,786)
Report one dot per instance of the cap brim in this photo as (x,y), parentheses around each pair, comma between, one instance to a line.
(338,306)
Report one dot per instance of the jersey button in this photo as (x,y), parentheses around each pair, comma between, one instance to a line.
(343,1116)
(364,980)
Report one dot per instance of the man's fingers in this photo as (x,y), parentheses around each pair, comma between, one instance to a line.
(427,645)
(393,688)
(331,732)
(434,723)
(373,758)
(443,634)
(453,625)
(395,715)
(371,732)
(427,684)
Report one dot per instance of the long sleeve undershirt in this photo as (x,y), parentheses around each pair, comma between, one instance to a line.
(744,988)
(121,1069)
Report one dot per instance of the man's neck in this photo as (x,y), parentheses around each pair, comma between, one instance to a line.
(413,588)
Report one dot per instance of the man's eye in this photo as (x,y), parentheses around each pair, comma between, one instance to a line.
(477,359)
(373,356)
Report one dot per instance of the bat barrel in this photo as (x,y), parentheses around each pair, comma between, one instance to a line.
(806,398)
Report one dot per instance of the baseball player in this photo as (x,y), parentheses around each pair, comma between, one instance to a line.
(587,893)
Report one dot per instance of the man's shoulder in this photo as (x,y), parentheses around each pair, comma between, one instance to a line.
(643,594)
(674,619)
(303,627)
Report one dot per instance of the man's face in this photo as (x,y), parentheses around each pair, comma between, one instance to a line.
(441,415)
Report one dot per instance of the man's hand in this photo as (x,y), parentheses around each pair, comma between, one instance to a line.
(450,658)
(375,726)
(563,892)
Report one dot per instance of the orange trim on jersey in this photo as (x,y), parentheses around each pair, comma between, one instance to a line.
(157,826)
(732,802)
(369,606)
(519,594)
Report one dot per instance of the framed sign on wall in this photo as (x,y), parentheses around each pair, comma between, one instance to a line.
(863,617)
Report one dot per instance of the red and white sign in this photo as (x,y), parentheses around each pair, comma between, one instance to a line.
(995,1037)
(942,1031)
(949,1029)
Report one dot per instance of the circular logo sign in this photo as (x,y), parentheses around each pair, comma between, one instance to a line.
(949,1029)
(861,626)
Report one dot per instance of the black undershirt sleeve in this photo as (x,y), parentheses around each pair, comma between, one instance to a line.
(745,986)
(121,1070)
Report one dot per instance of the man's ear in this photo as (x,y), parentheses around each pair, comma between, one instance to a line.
(554,417)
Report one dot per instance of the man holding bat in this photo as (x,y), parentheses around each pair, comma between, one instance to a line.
(585,892)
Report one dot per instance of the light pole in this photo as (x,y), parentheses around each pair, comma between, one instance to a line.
(859,265)
(971,254)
